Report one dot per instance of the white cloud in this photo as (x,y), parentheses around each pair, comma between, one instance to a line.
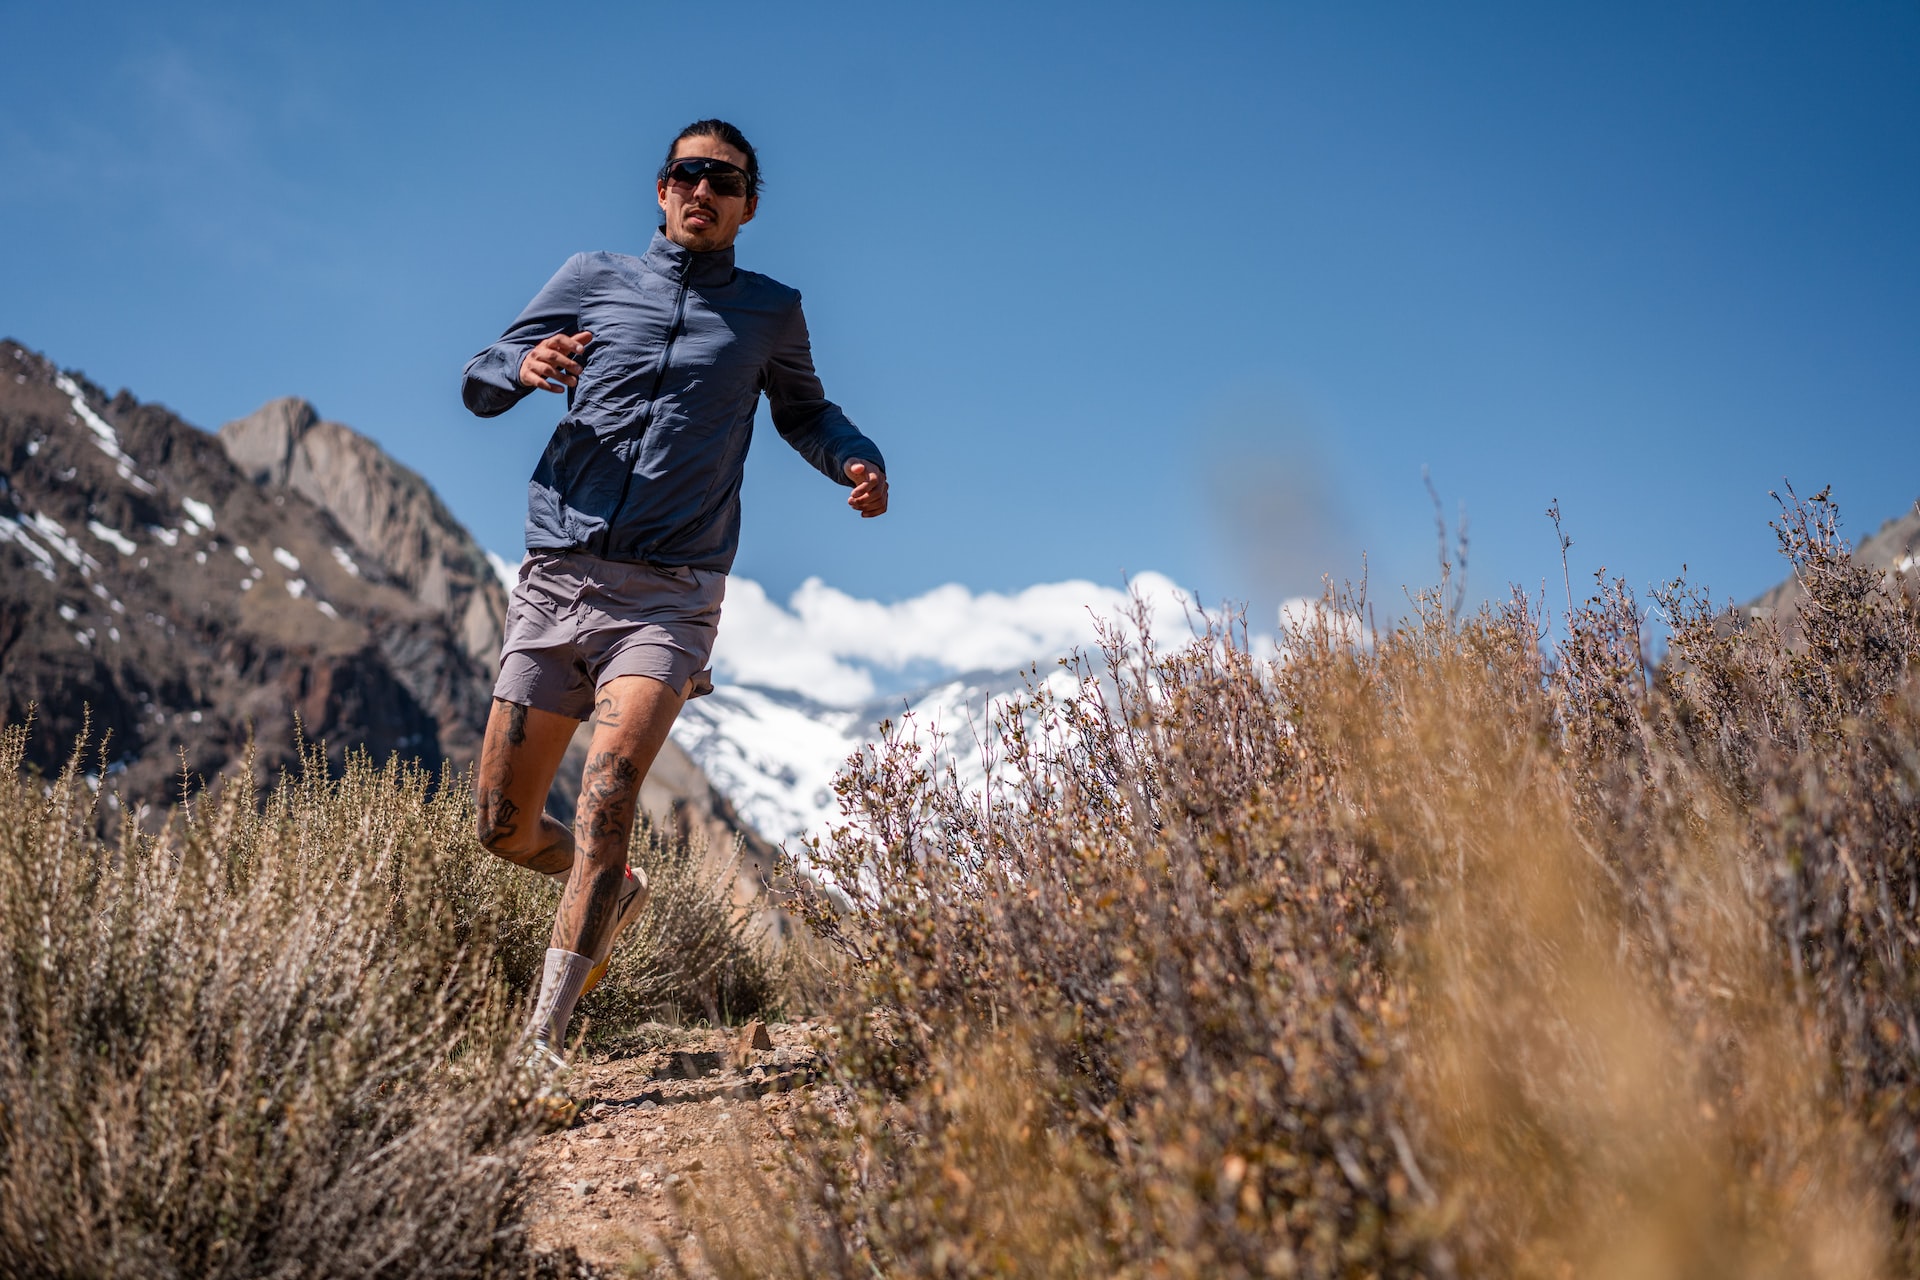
(840,649)
(508,571)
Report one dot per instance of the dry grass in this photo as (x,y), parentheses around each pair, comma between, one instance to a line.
(275,1038)
(1453,952)
(1450,953)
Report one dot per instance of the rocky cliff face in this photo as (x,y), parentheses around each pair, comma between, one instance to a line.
(392,515)
(184,592)
(146,582)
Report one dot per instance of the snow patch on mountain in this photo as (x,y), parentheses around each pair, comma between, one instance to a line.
(112,537)
(103,433)
(13,531)
(774,753)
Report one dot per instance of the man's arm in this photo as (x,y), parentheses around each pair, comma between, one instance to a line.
(814,425)
(492,384)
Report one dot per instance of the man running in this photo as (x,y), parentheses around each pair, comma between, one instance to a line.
(633,519)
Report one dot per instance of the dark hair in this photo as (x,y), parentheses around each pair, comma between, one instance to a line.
(723,132)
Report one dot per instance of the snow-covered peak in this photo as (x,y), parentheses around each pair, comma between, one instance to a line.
(774,753)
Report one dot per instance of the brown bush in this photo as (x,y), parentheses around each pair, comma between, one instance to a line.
(260,1043)
(276,1038)
(1449,952)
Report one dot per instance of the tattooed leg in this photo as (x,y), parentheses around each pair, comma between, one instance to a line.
(635,713)
(518,759)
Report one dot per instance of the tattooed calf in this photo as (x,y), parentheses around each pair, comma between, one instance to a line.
(607,795)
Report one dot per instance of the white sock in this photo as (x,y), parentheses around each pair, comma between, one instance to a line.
(560,984)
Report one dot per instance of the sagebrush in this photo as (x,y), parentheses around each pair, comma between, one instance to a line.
(277,1036)
(1444,951)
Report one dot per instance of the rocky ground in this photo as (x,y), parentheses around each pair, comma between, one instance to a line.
(685,1137)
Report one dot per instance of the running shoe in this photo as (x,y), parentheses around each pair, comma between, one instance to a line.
(548,1098)
(633,900)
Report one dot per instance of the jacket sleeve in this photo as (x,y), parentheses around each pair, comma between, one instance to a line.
(805,418)
(492,383)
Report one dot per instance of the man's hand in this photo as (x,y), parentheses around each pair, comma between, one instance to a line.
(869,496)
(551,365)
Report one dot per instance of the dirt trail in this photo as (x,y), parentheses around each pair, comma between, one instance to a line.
(684,1133)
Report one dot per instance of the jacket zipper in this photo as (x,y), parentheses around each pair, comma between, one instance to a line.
(660,376)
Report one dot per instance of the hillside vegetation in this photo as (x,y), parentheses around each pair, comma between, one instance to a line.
(276,1038)
(1450,950)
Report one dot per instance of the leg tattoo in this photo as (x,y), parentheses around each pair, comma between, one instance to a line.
(608,794)
(496,818)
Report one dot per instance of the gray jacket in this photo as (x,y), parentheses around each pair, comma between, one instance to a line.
(646,464)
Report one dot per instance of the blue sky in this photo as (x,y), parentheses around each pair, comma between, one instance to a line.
(1197,289)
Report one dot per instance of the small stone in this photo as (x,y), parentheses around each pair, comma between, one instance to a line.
(783,1057)
(627,1186)
(604,1212)
(694,1165)
(585,1187)
(753,1038)
(649,1105)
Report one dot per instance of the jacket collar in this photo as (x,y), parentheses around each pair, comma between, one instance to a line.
(677,262)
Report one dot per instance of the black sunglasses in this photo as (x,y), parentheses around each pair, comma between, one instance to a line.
(725,179)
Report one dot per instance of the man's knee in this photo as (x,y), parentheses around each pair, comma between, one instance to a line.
(496,822)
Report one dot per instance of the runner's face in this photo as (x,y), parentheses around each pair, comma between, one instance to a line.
(704,220)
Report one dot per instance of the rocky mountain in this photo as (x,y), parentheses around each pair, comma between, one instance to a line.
(183,593)
(394,516)
(774,752)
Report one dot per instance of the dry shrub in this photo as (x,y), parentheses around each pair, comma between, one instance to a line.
(260,1043)
(277,1037)
(1452,952)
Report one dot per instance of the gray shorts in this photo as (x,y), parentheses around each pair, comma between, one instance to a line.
(575,621)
